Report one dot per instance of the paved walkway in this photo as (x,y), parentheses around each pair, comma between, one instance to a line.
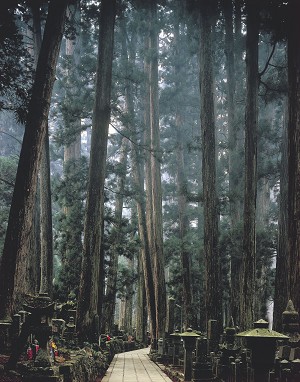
(134,366)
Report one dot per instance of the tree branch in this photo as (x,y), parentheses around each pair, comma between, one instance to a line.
(268,62)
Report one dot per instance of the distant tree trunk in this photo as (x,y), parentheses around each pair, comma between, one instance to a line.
(294,153)
(281,295)
(22,207)
(71,259)
(249,238)
(111,289)
(141,307)
(156,193)
(263,203)
(129,299)
(212,262)
(91,275)
(188,314)
(234,163)
(46,221)
(189,319)
(138,185)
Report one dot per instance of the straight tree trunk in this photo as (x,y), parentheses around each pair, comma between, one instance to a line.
(44,191)
(22,208)
(46,221)
(249,237)
(232,143)
(156,193)
(233,64)
(141,306)
(213,304)
(111,289)
(91,275)
(189,319)
(281,295)
(294,154)
(71,259)
(34,258)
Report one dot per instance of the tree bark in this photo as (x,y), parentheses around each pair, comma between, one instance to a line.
(213,304)
(21,213)
(91,275)
(156,193)
(46,221)
(189,319)
(249,237)
(281,295)
(111,289)
(294,154)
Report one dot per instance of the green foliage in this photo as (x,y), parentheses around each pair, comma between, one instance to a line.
(16,66)
(266,245)
(125,281)
(69,193)
(8,169)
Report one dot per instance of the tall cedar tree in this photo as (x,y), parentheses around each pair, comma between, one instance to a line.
(111,288)
(233,147)
(91,274)
(34,256)
(249,238)
(186,261)
(138,185)
(46,248)
(153,175)
(294,153)
(158,255)
(281,294)
(213,306)
(21,213)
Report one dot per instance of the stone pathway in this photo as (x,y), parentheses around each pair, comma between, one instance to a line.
(134,366)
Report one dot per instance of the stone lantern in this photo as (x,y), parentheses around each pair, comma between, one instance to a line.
(41,308)
(262,343)
(176,339)
(189,343)
(290,324)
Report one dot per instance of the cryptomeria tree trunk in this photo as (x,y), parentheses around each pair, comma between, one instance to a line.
(233,152)
(294,154)
(146,291)
(187,301)
(46,221)
(111,289)
(44,192)
(249,238)
(91,275)
(138,183)
(212,262)
(21,213)
(156,192)
(281,295)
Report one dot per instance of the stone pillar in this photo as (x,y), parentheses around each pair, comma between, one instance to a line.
(5,328)
(160,346)
(176,339)
(212,335)
(170,316)
(16,326)
(189,343)
(58,327)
